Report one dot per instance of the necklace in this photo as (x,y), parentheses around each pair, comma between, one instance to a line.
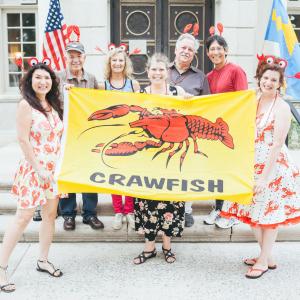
(116,88)
(260,124)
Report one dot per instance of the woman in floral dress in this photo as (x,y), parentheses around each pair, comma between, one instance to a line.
(39,130)
(153,217)
(276,198)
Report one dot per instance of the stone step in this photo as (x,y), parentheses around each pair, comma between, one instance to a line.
(104,207)
(198,233)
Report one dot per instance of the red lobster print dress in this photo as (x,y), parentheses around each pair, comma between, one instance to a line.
(279,202)
(45,135)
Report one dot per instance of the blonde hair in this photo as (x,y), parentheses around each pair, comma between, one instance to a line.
(158,57)
(128,69)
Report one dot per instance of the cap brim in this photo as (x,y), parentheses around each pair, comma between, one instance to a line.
(75,49)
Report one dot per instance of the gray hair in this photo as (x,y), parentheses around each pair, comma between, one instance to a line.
(189,37)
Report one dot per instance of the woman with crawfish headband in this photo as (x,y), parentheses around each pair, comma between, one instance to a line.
(225,77)
(152,217)
(39,130)
(276,198)
(118,77)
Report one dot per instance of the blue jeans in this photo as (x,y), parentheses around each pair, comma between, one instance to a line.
(219,204)
(68,205)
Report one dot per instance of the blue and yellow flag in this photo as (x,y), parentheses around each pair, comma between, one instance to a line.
(281,34)
(159,147)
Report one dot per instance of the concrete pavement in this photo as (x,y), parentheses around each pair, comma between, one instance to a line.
(104,271)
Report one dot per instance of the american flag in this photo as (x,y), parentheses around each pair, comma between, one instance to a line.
(55,39)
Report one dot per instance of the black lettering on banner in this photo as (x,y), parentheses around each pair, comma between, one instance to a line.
(134,179)
(94,177)
(197,183)
(212,186)
(184,184)
(171,183)
(154,183)
(116,178)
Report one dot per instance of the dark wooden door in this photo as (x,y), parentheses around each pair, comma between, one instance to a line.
(154,26)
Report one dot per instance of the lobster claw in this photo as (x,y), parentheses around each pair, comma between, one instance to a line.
(110,112)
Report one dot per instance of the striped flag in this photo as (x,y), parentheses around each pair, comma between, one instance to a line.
(55,38)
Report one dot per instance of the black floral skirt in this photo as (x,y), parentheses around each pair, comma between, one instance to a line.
(152,217)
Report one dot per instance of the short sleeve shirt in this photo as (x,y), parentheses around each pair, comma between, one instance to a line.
(193,81)
(230,78)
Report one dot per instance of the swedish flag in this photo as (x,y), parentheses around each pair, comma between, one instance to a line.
(281,35)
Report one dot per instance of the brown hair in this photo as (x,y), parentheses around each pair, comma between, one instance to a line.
(264,67)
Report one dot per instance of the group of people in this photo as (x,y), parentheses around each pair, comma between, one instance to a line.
(39,129)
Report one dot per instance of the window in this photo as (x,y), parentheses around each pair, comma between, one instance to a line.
(294,14)
(21,44)
(295,20)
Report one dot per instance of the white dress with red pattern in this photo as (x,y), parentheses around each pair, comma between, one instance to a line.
(45,136)
(279,203)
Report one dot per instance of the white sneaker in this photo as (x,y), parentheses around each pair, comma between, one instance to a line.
(117,224)
(212,217)
(131,221)
(226,223)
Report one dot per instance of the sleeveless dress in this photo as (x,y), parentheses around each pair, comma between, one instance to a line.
(279,202)
(45,135)
(153,217)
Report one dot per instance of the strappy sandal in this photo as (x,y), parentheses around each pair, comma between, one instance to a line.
(54,273)
(142,257)
(9,287)
(169,256)
(252,261)
(261,273)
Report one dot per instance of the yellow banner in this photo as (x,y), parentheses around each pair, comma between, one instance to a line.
(159,147)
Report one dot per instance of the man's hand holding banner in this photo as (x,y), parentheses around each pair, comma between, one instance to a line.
(159,147)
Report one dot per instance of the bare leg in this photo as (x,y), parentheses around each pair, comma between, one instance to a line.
(12,236)
(269,237)
(268,240)
(258,233)
(49,211)
(149,247)
(169,256)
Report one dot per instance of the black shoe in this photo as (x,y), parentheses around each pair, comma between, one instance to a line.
(189,220)
(69,223)
(37,216)
(94,222)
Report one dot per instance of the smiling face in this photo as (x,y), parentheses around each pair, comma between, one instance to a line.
(217,54)
(117,63)
(41,82)
(157,72)
(75,60)
(270,82)
(185,52)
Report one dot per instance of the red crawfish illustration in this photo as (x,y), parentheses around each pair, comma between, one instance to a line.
(289,210)
(166,126)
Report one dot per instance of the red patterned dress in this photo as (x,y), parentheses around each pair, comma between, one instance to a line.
(45,135)
(279,202)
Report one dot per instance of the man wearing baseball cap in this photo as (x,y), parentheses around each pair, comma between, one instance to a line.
(75,75)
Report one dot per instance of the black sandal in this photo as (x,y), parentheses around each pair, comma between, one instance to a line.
(38,268)
(168,254)
(4,288)
(142,257)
